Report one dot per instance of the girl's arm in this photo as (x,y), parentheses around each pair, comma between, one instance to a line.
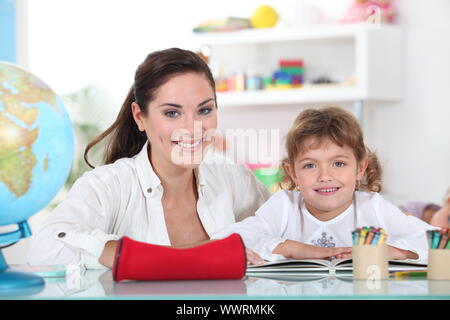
(400,254)
(265,230)
(296,250)
(406,234)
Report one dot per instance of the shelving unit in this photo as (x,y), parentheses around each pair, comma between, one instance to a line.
(275,97)
(370,55)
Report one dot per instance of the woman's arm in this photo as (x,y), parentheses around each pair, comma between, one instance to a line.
(76,231)
(108,254)
(249,194)
(441,217)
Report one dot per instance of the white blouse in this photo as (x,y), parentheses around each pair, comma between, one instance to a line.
(284,216)
(124,198)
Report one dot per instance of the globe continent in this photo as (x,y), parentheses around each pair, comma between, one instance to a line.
(36,144)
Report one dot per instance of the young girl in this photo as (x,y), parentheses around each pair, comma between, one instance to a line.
(332,188)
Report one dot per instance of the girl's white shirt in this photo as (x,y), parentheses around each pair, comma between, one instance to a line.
(284,216)
(124,199)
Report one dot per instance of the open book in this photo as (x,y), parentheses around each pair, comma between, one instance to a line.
(327,266)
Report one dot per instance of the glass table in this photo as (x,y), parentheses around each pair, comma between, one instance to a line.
(98,284)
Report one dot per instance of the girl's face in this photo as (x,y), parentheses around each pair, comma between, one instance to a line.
(326,176)
(182,111)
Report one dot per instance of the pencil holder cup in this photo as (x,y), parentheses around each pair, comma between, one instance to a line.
(370,262)
(438,264)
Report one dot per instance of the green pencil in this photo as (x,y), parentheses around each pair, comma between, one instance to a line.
(409,274)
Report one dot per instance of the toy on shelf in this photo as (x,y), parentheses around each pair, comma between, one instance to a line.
(223,24)
(264,17)
(221,84)
(236,83)
(370,11)
(289,75)
(323,80)
(253,82)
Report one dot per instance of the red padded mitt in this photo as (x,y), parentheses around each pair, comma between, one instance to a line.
(217,259)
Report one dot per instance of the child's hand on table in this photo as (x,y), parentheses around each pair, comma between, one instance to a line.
(400,254)
(297,250)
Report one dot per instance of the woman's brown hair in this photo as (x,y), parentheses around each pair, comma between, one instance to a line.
(342,128)
(123,137)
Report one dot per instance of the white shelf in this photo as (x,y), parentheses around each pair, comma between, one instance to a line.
(291,96)
(371,55)
(249,36)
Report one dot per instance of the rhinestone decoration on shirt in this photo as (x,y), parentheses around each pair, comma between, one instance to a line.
(324,242)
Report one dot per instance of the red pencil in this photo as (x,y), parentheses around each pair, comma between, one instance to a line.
(369,238)
(444,238)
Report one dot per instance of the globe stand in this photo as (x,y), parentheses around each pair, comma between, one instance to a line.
(17,283)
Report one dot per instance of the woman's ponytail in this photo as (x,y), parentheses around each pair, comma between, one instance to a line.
(123,137)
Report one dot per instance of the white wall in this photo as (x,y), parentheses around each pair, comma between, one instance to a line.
(74,43)
(413,136)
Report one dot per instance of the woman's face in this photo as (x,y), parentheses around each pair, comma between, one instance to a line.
(178,118)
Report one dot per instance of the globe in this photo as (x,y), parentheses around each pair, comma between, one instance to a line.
(36,150)
(36,144)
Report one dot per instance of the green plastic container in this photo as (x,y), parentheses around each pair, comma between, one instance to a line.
(269,177)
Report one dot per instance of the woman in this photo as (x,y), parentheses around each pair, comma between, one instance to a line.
(154,186)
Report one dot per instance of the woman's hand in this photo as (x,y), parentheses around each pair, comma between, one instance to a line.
(107,257)
(253,257)
(400,254)
(297,250)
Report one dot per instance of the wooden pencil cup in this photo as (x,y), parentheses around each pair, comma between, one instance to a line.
(438,264)
(370,262)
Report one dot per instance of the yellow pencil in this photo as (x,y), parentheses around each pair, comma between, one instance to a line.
(382,238)
(362,236)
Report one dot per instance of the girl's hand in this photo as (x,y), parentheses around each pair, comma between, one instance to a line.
(253,257)
(328,253)
(400,254)
(346,253)
(297,250)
